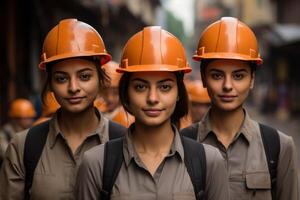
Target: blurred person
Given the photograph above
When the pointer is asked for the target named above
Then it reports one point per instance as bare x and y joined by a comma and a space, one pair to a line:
42, 162
153, 161
113, 108
261, 161
49, 107
199, 102
21, 116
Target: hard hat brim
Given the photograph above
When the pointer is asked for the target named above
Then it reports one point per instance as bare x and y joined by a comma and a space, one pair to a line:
232, 56
104, 58
154, 68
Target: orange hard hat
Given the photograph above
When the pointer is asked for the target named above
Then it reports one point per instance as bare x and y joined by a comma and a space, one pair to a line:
197, 93
110, 69
50, 104
72, 38
228, 38
100, 104
123, 118
22, 108
153, 49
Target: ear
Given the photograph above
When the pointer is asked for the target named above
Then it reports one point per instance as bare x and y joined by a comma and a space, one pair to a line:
252, 80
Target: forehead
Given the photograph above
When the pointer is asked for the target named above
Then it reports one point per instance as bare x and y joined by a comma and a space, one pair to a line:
228, 65
153, 76
73, 65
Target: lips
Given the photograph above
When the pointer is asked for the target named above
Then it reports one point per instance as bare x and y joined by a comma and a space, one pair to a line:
75, 100
227, 98
152, 112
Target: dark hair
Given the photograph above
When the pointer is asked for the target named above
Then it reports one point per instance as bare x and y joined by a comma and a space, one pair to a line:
181, 108
104, 79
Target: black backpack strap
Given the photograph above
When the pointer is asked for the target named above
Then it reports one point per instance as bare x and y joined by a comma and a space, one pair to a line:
115, 130
271, 141
195, 162
34, 145
113, 159
190, 131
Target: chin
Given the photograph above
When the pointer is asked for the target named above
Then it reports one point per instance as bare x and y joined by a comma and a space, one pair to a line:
153, 122
76, 109
230, 106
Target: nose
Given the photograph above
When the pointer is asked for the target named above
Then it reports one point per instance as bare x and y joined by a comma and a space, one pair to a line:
227, 86
152, 96
73, 85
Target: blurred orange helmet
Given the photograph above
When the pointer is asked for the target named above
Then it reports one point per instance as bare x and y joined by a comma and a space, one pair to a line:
228, 38
21, 108
153, 49
50, 104
123, 118
72, 38
197, 93
110, 69
100, 104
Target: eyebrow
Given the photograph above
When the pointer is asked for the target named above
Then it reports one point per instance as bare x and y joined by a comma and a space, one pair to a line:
235, 71
82, 70
161, 81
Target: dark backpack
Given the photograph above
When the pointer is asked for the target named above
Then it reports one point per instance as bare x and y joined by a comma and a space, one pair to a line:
270, 138
194, 158
35, 142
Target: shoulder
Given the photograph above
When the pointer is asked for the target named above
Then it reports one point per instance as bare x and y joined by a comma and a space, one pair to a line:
287, 145
18, 141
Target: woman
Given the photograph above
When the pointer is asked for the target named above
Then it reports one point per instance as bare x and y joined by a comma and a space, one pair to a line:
261, 161
73, 53
153, 154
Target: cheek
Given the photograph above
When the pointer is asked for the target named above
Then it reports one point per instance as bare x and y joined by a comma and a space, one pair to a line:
170, 99
92, 87
135, 100
243, 88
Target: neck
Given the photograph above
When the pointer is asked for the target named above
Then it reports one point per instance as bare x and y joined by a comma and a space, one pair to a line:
79, 124
226, 124
153, 138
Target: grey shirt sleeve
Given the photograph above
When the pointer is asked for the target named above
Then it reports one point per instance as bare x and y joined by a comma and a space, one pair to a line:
287, 172
12, 174
89, 177
217, 187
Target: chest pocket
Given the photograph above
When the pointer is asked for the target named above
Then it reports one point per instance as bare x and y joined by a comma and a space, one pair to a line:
258, 180
259, 185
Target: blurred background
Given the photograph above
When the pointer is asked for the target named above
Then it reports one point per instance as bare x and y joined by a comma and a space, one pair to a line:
274, 101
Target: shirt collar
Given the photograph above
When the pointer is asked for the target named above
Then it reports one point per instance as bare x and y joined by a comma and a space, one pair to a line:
130, 152
247, 129
101, 130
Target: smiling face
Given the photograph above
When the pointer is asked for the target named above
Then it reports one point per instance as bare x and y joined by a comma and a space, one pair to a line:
228, 83
152, 97
75, 84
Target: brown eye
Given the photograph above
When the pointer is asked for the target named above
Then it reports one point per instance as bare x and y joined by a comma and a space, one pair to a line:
85, 77
140, 87
60, 78
217, 76
238, 76
165, 87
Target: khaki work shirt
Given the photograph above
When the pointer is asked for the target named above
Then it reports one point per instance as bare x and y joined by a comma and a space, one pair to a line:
55, 174
247, 166
170, 181
6, 134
